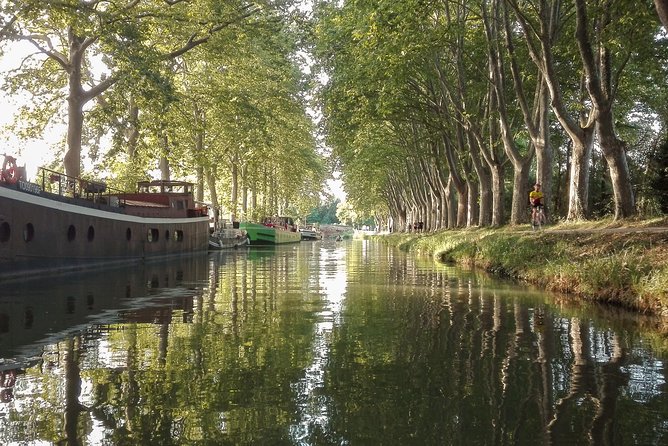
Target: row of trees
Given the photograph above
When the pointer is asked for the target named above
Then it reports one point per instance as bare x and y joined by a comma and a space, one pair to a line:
200, 87
446, 112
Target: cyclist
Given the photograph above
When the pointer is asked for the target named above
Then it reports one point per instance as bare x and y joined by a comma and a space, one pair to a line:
536, 201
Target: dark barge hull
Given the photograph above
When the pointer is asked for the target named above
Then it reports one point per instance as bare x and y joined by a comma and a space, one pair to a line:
37, 312
45, 233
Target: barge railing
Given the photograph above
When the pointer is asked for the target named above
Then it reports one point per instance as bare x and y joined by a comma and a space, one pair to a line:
65, 185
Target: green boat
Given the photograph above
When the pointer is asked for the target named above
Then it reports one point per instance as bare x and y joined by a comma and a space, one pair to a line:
272, 231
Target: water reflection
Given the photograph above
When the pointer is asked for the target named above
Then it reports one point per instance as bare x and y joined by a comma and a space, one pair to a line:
311, 401
319, 343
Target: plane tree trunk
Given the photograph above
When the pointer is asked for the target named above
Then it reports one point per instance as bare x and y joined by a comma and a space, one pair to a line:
599, 85
662, 10
581, 131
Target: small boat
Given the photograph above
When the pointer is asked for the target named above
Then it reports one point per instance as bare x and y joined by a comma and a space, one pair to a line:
310, 233
227, 238
272, 231
60, 223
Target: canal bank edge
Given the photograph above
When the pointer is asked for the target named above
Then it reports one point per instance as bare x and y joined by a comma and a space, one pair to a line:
616, 263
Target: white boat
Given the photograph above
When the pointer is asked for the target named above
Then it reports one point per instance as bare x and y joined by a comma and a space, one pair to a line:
227, 238
310, 233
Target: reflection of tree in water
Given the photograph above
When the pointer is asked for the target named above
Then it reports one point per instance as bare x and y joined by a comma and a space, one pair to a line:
64, 398
460, 364
263, 352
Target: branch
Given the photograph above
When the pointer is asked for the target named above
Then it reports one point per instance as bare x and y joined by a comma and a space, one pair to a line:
49, 51
592, 78
528, 30
99, 88
618, 74
4, 31
193, 41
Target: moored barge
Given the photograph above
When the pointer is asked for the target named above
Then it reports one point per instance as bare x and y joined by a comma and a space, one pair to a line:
273, 231
61, 223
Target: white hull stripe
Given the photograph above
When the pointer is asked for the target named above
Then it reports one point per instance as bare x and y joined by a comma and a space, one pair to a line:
36, 200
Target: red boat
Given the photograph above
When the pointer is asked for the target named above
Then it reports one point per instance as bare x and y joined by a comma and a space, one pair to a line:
60, 223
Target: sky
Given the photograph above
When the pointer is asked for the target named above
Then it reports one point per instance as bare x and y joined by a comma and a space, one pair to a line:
32, 153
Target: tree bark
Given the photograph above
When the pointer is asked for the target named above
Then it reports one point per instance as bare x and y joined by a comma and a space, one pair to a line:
457, 181
199, 148
234, 195
132, 132
539, 42
210, 174
472, 205
433, 196
75, 103
496, 163
163, 162
615, 154
536, 121
578, 192
662, 11
544, 155
599, 84
244, 191
484, 185
449, 199
497, 194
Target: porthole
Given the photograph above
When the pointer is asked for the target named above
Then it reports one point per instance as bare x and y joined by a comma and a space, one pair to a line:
154, 282
152, 235
91, 233
167, 234
29, 232
178, 235
128, 234
5, 232
71, 233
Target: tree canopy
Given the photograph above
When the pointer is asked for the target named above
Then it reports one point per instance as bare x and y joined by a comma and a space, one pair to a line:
441, 112
211, 90
446, 112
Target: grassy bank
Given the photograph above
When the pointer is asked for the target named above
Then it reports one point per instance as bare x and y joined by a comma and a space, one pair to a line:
619, 263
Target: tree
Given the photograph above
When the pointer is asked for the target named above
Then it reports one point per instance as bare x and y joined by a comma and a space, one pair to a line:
538, 33
405, 80
601, 76
325, 213
662, 11
69, 36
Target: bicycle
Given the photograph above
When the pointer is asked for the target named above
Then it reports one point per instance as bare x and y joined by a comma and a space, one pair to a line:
537, 218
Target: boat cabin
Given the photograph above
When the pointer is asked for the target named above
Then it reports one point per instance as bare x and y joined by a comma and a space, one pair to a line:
161, 198
286, 223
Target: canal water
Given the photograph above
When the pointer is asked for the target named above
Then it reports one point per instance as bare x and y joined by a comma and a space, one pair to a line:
320, 343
